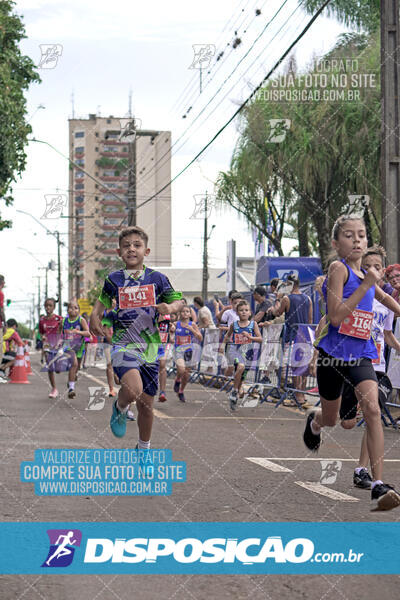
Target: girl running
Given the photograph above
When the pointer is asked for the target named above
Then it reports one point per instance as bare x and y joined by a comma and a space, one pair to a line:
346, 349
242, 333
74, 329
49, 329
185, 333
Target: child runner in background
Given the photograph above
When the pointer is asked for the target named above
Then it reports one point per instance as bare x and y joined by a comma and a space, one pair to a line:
141, 294
74, 329
164, 327
382, 334
49, 329
346, 349
242, 333
11, 340
185, 350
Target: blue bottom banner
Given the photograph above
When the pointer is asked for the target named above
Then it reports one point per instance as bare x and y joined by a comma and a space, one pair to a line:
201, 548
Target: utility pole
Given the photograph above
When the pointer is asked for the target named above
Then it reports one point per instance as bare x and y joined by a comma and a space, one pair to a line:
204, 287
206, 237
390, 145
39, 299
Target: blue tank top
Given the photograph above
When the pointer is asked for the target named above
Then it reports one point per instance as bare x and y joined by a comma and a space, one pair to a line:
73, 340
343, 346
237, 330
297, 313
181, 333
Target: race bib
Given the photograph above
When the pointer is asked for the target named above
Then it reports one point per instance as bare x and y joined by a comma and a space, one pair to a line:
164, 336
183, 339
137, 296
358, 324
239, 338
376, 361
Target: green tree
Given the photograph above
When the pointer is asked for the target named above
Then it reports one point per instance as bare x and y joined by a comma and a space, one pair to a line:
361, 14
17, 72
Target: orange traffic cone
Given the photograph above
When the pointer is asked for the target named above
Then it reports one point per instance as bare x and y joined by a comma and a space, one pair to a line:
18, 372
27, 360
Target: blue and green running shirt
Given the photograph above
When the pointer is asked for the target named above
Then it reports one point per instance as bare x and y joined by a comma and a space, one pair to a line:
135, 330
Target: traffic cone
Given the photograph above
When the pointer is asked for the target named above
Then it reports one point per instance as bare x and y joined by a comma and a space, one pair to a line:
27, 360
18, 372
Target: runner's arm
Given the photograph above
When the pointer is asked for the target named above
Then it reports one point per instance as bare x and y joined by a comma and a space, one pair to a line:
390, 340
337, 309
227, 335
196, 332
95, 325
387, 301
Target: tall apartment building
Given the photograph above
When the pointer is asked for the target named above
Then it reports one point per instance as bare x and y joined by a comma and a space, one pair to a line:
99, 210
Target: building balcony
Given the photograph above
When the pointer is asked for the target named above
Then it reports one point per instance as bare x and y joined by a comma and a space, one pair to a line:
113, 178
114, 154
109, 251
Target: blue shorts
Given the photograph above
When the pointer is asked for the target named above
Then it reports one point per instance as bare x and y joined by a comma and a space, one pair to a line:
123, 362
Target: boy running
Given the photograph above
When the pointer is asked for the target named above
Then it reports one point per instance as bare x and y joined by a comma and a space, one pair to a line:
242, 332
185, 333
74, 329
141, 294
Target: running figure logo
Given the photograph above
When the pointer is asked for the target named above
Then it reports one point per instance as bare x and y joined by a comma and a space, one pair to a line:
278, 130
330, 471
54, 206
50, 54
203, 54
200, 210
97, 398
62, 547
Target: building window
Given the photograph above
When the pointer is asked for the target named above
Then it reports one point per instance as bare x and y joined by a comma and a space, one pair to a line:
79, 199
79, 150
79, 186
80, 162
79, 134
79, 174
110, 149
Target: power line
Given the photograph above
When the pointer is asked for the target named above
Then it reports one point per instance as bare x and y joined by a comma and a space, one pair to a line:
277, 64
222, 85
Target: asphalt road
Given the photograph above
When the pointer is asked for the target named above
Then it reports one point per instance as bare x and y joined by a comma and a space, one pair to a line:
281, 483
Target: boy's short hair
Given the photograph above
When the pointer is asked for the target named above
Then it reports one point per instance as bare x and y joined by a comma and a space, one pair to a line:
198, 301
260, 290
72, 301
378, 250
12, 323
242, 303
231, 293
237, 296
134, 230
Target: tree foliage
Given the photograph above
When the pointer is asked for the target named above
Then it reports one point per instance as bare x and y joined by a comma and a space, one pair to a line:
361, 14
17, 72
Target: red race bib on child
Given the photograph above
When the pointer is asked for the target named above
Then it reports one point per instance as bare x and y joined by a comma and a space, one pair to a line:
239, 338
358, 324
183, 339
137, 296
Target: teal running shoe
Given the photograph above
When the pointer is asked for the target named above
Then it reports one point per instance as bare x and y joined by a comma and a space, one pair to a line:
118, 421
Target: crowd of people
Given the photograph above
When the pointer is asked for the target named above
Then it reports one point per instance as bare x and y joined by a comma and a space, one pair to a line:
142, 321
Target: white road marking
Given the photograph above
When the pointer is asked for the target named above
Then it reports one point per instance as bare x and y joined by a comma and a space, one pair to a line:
267, 464
156, 412
318, 488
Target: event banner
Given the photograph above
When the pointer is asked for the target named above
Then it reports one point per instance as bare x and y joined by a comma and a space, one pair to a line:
200, 548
